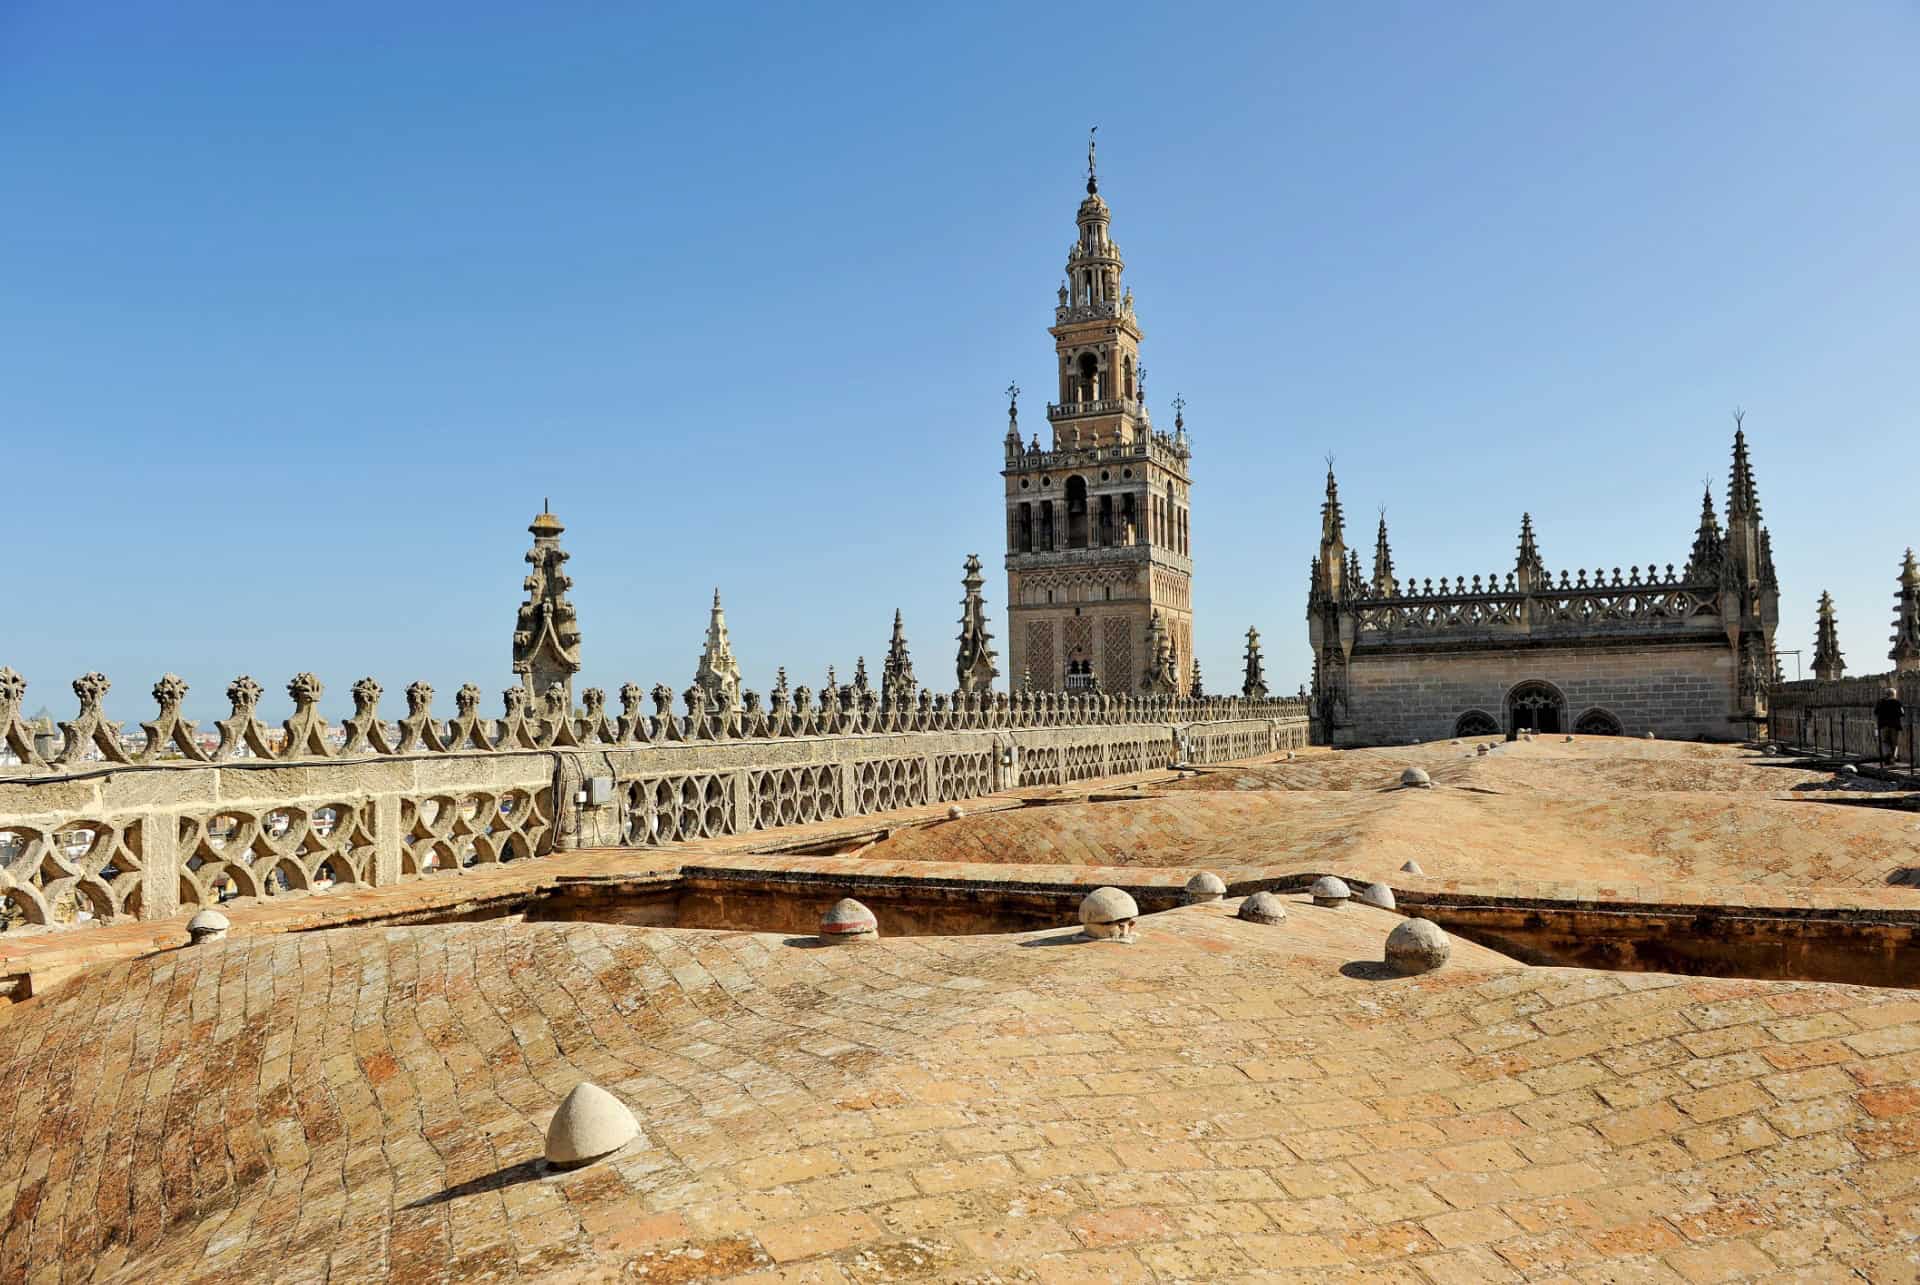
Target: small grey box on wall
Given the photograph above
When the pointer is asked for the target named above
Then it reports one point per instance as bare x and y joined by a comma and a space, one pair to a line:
599, 790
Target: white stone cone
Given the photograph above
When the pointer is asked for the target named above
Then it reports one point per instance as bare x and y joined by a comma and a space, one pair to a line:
590, 1123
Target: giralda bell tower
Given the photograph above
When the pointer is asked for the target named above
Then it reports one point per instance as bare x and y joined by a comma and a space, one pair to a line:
1099, 572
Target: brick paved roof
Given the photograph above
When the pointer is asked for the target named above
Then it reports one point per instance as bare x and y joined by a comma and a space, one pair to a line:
1217, 1101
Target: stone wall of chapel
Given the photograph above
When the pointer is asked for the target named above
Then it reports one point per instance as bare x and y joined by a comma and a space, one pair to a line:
1672, 691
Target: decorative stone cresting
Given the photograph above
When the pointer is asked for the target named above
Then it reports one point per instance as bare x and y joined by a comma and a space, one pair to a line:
1109, 914
1329, 891
848, 920
1377, 894
590, 1123
1203, 887
206, 927
1263, 908
182, 834
1415, 778
1417, 946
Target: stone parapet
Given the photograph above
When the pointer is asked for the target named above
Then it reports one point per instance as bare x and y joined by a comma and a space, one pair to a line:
93, 838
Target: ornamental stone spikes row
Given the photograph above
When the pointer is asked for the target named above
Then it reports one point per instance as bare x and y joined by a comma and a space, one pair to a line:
546, 634
548, 724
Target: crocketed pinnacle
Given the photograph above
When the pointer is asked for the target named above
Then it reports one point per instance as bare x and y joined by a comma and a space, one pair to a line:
1333, 523
1384, 584
1743, 497
718, 673
1906, 621
1828, 663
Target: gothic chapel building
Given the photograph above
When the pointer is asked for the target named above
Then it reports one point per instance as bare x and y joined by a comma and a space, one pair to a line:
1099, 570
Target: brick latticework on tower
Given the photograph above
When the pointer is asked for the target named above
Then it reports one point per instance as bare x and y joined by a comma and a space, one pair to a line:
1678, 654
1097, 519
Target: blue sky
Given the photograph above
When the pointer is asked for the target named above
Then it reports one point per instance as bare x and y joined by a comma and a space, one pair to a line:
305, 308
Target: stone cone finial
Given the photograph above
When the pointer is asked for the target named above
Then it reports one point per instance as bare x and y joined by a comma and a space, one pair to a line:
1109, 914
848, 920
1205, 886
1263, 908
209, 925
1377, 894
1417, 946
1416, 778
590, 1123
1330, 891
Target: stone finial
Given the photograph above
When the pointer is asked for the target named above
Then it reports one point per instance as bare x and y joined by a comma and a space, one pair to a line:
1377, 894
364, 728
848, 921
90, 727
897, 682
306, 731
974, 662
1109, 914
589, 1124
1905, 653
1411, 868
1263, 908
168, 728
14, 732
207, 927
955, 812
1253, 685
1329, 891
1417, 946
718, 672
1163, 666
1203, 887
546, 632
1415, 778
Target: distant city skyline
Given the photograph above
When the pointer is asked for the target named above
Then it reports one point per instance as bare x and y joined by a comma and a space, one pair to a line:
301, 326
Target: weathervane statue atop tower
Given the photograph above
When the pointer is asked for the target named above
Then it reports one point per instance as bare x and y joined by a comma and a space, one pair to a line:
1093, 181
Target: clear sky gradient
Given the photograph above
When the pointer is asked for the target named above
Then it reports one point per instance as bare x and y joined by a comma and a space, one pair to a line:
303, 309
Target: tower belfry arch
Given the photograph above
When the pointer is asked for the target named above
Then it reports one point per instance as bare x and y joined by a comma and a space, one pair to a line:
1097, 526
